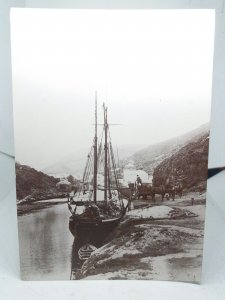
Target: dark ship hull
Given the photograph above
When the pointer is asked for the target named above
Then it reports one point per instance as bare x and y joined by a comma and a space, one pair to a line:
93, 231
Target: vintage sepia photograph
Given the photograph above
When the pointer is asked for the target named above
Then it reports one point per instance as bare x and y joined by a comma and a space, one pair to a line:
111, 125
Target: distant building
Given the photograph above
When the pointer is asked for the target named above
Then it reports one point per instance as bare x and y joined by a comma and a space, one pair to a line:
64, 185
130, 175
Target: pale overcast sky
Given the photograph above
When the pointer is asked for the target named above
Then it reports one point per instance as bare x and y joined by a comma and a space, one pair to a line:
153, 68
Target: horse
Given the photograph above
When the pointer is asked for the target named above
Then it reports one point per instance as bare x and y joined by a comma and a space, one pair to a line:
146, 189
160, 190
171, 191
143, 190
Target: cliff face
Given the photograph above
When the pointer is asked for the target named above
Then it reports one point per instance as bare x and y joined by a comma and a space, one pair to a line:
188, 165
149, 158
34, 183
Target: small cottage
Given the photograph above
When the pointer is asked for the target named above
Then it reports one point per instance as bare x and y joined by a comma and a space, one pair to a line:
64, 185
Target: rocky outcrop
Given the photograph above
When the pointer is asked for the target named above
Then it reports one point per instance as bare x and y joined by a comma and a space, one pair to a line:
34, 185
188, 165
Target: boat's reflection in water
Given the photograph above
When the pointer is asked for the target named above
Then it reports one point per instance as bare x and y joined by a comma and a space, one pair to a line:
81, 251
89, 240
76, 262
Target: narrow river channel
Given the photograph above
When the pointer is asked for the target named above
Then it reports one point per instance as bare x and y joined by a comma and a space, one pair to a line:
46, 244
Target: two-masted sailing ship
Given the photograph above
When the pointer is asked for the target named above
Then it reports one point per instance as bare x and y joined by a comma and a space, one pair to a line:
97, 207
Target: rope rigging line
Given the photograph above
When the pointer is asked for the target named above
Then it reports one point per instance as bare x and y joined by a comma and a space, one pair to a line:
114, 165
87, 169
115, 172
100, 151
109, 175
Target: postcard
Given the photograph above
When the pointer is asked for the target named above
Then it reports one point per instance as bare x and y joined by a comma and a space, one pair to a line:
111, 122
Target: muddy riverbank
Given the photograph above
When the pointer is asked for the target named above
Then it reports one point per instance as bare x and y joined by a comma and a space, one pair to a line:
165, 248
30, 207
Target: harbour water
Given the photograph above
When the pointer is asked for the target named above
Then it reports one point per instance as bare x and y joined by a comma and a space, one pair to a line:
46, 244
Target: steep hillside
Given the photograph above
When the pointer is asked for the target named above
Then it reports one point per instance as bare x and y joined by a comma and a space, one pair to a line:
148, 158
34, 183
189, 165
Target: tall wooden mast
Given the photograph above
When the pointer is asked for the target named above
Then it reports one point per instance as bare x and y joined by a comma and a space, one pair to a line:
95, 153
106, 153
